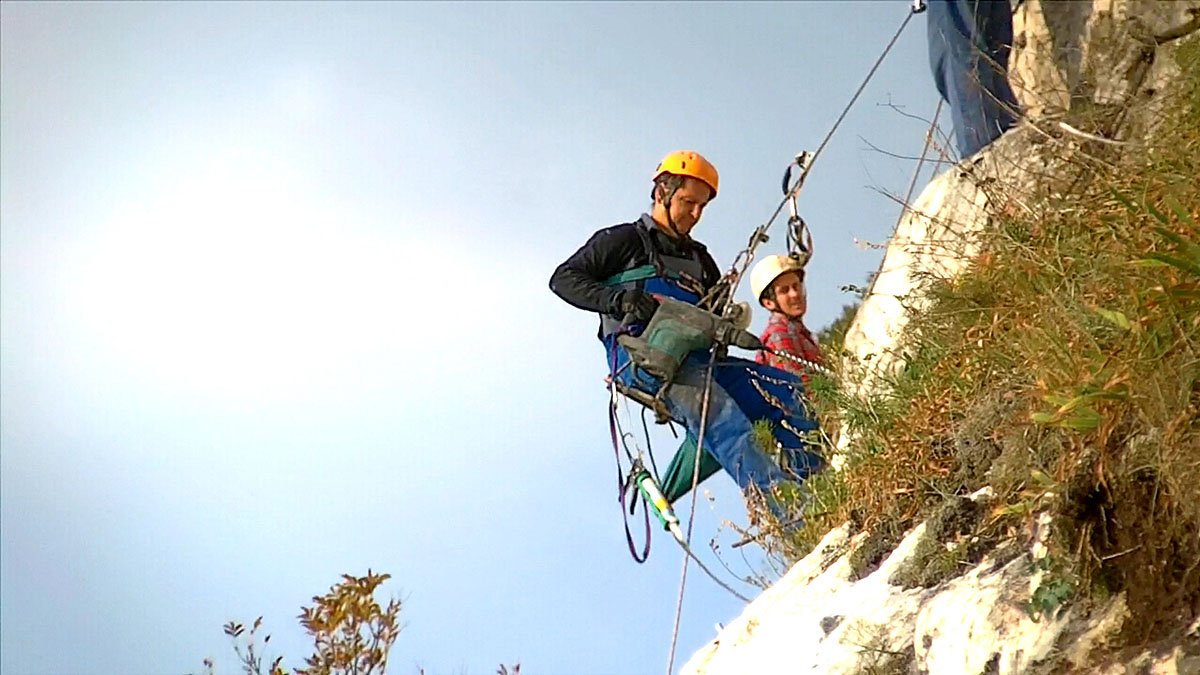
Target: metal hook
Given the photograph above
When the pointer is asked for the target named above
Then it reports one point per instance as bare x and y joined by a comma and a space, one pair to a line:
799, 238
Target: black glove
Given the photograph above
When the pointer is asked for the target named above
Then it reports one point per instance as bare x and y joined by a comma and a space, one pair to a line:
637, 305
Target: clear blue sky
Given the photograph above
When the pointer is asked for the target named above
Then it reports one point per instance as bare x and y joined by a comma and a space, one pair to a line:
275, 307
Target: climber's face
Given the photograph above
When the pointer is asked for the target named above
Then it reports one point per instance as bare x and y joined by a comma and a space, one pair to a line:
790, 297
685, 206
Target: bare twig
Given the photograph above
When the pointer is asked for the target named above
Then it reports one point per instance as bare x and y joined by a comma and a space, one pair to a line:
881, 151
1091, 137
900, 110
1118, 555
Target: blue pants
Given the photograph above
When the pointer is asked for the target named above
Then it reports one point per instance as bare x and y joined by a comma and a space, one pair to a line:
969, 42
735, 402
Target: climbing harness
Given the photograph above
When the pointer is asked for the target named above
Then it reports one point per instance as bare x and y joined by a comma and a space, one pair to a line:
676, 330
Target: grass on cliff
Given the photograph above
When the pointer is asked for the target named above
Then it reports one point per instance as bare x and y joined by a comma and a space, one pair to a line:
1062, 371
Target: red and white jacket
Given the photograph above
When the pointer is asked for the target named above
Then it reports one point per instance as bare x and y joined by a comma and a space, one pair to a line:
789, 335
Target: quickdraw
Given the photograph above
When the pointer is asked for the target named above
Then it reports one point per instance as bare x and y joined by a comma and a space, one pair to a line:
799, 237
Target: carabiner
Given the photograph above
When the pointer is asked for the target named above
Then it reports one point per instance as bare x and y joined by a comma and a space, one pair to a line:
799, 238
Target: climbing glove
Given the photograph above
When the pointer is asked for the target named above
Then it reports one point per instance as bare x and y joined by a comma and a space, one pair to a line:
637, 305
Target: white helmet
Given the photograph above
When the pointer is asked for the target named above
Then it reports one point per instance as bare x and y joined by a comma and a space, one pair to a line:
769, 269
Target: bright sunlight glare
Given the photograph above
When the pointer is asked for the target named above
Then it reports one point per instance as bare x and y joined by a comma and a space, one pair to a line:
234, 282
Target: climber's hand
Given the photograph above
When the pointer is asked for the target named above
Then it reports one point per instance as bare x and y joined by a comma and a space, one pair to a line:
637, 305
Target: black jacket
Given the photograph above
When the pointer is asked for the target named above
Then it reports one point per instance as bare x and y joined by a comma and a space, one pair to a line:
580, 279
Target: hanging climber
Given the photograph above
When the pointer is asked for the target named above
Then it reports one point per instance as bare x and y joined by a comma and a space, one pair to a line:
619, 272
777, 281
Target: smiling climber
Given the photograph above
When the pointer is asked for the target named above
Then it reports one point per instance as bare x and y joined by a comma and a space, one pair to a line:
777, 281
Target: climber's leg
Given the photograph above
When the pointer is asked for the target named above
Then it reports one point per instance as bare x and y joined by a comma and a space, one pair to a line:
766, 393
969, 42
729, 433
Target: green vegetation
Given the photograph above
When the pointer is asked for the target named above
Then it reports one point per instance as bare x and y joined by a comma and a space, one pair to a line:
1062, 371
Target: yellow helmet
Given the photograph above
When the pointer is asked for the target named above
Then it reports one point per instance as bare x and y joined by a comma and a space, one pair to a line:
689, 163
769, 269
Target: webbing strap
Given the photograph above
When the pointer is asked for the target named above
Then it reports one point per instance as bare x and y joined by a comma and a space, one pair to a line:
636, 274
622, 484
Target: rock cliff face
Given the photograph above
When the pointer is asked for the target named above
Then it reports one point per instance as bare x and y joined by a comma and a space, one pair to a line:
1087, 73
1109, 58
819, 619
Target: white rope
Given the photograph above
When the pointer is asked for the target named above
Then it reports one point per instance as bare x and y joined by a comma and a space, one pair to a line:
692, 511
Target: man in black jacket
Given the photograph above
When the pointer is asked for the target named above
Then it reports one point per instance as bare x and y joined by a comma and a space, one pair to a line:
618, 273
662, 236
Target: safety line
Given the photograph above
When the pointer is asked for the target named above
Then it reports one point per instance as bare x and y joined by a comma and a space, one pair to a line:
712, 361
906, 206
842, 116
704, 568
